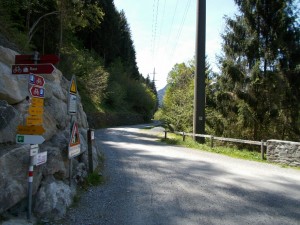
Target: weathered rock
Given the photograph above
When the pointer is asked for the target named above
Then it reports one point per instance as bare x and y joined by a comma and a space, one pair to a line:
13, 176
13, 88
80, 173
7, 55
10, 118
53, 198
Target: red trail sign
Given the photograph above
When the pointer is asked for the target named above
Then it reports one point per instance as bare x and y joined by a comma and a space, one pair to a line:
32, 68
36, 80
29, 59
38, 92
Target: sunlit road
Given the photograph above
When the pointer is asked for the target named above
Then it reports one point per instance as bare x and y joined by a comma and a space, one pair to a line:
148, 182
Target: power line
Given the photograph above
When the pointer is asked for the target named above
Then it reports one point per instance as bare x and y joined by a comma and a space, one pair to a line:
180, 28
154, 26
162, 21
152, 29
157, 12
172, 22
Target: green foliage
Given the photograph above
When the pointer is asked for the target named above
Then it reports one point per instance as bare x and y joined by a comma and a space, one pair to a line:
178, 101
255, 96
94, 179
177, 107
94, 43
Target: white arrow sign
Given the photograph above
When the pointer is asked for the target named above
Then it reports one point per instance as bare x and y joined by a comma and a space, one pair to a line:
29, 139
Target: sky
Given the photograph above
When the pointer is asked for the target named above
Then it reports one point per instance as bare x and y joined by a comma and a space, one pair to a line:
164, 32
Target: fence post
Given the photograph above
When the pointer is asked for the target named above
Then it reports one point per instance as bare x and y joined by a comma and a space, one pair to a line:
165, 134
211, 141
90, 137
183, 136
262, 150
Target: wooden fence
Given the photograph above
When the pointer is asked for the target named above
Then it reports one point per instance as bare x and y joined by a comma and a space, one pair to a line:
212, 138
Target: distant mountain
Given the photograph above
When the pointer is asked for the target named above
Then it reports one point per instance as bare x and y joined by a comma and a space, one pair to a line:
161, 94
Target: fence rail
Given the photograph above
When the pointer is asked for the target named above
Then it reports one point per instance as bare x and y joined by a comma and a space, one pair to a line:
262, 143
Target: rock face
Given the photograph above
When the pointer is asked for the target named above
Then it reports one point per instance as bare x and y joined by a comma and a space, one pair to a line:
50, 181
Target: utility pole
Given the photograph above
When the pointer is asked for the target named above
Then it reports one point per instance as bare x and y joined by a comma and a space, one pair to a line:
153, 75
199, 98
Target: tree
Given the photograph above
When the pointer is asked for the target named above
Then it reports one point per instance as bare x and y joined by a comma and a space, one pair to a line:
260, 58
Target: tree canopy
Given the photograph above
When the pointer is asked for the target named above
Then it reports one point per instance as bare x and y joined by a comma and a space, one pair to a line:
94, 42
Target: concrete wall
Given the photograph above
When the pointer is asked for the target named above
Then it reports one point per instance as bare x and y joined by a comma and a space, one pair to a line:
285, 152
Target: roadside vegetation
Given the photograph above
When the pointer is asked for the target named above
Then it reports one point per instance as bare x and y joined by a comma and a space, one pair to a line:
256, 94
93, 40
230, 150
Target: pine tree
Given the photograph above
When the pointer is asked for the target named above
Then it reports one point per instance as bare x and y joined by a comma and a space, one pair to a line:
257, 95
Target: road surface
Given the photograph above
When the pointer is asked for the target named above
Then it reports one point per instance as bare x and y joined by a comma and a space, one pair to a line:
151, 183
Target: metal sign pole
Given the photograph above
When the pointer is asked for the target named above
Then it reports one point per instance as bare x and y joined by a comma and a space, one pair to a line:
30, 180
70, 159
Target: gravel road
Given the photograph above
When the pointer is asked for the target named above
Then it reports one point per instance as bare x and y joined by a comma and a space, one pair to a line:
151, 183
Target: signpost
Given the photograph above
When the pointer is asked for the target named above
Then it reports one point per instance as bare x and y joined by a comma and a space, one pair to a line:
72, 109
36, 130
29, 59
37, 92
34, 120
32, 131
35, 111
40, 158
37, 102
29, 139
34, 150
32, 68
73, 86
74, 144
36, 80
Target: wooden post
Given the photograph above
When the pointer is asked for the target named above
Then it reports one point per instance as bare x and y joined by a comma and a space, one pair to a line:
166, 134
262, 150
211, 141
90, 137
183, 136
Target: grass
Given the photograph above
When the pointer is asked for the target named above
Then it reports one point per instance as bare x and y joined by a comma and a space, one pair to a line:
229, 151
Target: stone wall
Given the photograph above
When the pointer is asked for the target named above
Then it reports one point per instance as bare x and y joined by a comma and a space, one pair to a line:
284, 152
51, 179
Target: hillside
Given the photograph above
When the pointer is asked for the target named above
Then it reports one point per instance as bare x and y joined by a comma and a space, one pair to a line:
161, 94
93, 40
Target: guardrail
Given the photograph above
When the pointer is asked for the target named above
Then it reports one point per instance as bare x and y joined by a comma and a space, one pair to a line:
262, 143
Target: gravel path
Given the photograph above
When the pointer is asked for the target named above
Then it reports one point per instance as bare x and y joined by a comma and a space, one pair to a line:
150, 183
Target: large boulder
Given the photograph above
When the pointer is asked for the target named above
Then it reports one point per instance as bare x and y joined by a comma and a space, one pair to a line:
10, 118
14, 175
53, 199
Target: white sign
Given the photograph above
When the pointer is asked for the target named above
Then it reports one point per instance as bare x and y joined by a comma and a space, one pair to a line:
74, 151
92, 135
29, 139
72, 109
40, 158
34, 150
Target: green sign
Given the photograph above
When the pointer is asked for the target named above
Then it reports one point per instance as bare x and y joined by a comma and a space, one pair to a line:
20, 139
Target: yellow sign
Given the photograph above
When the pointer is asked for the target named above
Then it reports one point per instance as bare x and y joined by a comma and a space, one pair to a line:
34, 120
73, 87
30, 130
37, 102
35, 111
